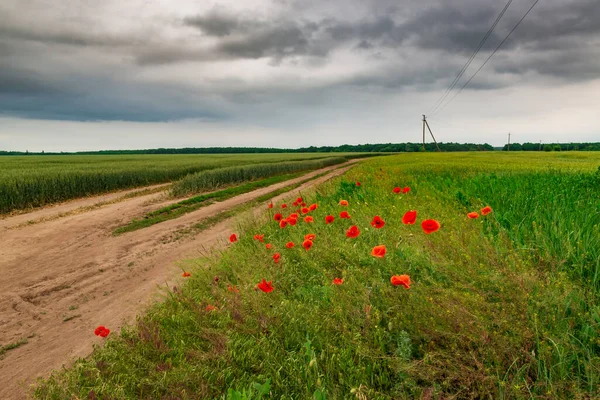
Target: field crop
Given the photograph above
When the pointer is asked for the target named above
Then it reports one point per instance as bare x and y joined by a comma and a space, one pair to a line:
503, 306
32, 181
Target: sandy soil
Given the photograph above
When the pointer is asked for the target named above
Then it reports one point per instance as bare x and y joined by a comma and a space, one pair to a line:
66, 274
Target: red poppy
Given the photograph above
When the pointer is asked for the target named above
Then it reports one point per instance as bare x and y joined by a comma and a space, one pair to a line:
303, 204
292, 221
265, 286
268, 246
299, 200
473, 215
294, 204
378, 251
283, 223
401, 280
352, 232
307, 244
308, 219
216, 279
410, 217
405, 189
277, 217
260, 238
186, 274
233, 238
289, 245
101, 331
233, 289
344, 214
329, 219
284, 205
313, 207
338, 281
310, 236
430, 226
377, 222
397, 190
357, 183
210, 308
343, 202
270, 205
294, 215
486, 210
305, 210
276, 257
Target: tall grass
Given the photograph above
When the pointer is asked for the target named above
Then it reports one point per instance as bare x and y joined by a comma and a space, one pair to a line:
216, 178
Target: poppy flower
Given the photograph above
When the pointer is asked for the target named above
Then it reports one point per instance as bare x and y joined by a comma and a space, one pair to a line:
276, 257
377, 222
270, 205
307, 244
401, 280
277, 217
357, 183
294, 215
405, 189
101, 331
303, 204
397, 190
343, 202
430, 226
299, 200
289, 245
308, 219
283, 223
260, 238
186, 274
329, 219
352, 232
305, 210
344, 214
210, 308
294, 204
338, 281
233, 289
292, 221
265, 286
216, 279
268, 246
310, 236
410, 217
473, 215
233, 238
284, 205
313, 207
486, 210
378, 251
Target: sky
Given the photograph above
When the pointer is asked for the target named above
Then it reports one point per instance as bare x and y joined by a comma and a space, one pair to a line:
137, 74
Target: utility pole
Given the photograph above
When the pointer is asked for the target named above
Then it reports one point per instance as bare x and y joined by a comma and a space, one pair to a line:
508, 141
431, 133
423, 132
540, 149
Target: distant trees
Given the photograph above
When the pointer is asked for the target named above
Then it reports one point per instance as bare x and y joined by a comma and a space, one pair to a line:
527, 146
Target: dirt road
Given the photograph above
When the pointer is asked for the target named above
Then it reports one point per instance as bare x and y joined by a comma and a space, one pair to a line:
66, 274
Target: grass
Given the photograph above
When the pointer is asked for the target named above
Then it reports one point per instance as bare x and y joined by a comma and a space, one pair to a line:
33, 181
12, 346
494, 311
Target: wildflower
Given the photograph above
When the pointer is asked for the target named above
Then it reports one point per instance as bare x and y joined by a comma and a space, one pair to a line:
101, 331
299, 200
377, 222
210, 308
344, 214
305, 210
291, 220
307, 244
308, 219
233, 289
352, 232
216, 279
276, 257
265, 286
294, 215
289, 245
329, 219
270, 205
283, 223
410, 217
284, 205
310, 236
401, 280
343, 202
473, 215
357, 183
405, 189
268, 246
338, 281
260, 238
233, 238
430, 226
303, 204
397, 190
313, 207
486, 210
277, 217
186, 274
378, 251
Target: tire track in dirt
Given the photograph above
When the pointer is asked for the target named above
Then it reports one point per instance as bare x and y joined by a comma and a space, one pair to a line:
61, 278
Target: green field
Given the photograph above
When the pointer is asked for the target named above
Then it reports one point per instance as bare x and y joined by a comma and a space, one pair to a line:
504, 306
33, 181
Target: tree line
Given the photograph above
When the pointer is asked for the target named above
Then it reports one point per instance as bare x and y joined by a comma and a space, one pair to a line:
527, 146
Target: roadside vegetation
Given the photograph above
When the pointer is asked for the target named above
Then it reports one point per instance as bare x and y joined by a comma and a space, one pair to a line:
503, 304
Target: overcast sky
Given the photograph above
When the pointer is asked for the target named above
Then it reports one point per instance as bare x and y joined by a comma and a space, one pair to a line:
110, 74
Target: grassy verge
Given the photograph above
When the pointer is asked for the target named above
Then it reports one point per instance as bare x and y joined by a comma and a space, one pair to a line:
483, 317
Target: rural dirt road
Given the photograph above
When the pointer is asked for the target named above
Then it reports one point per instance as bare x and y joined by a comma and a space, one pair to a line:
63, 276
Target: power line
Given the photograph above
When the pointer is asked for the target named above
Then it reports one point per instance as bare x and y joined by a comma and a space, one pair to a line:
468, 63
488, 59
